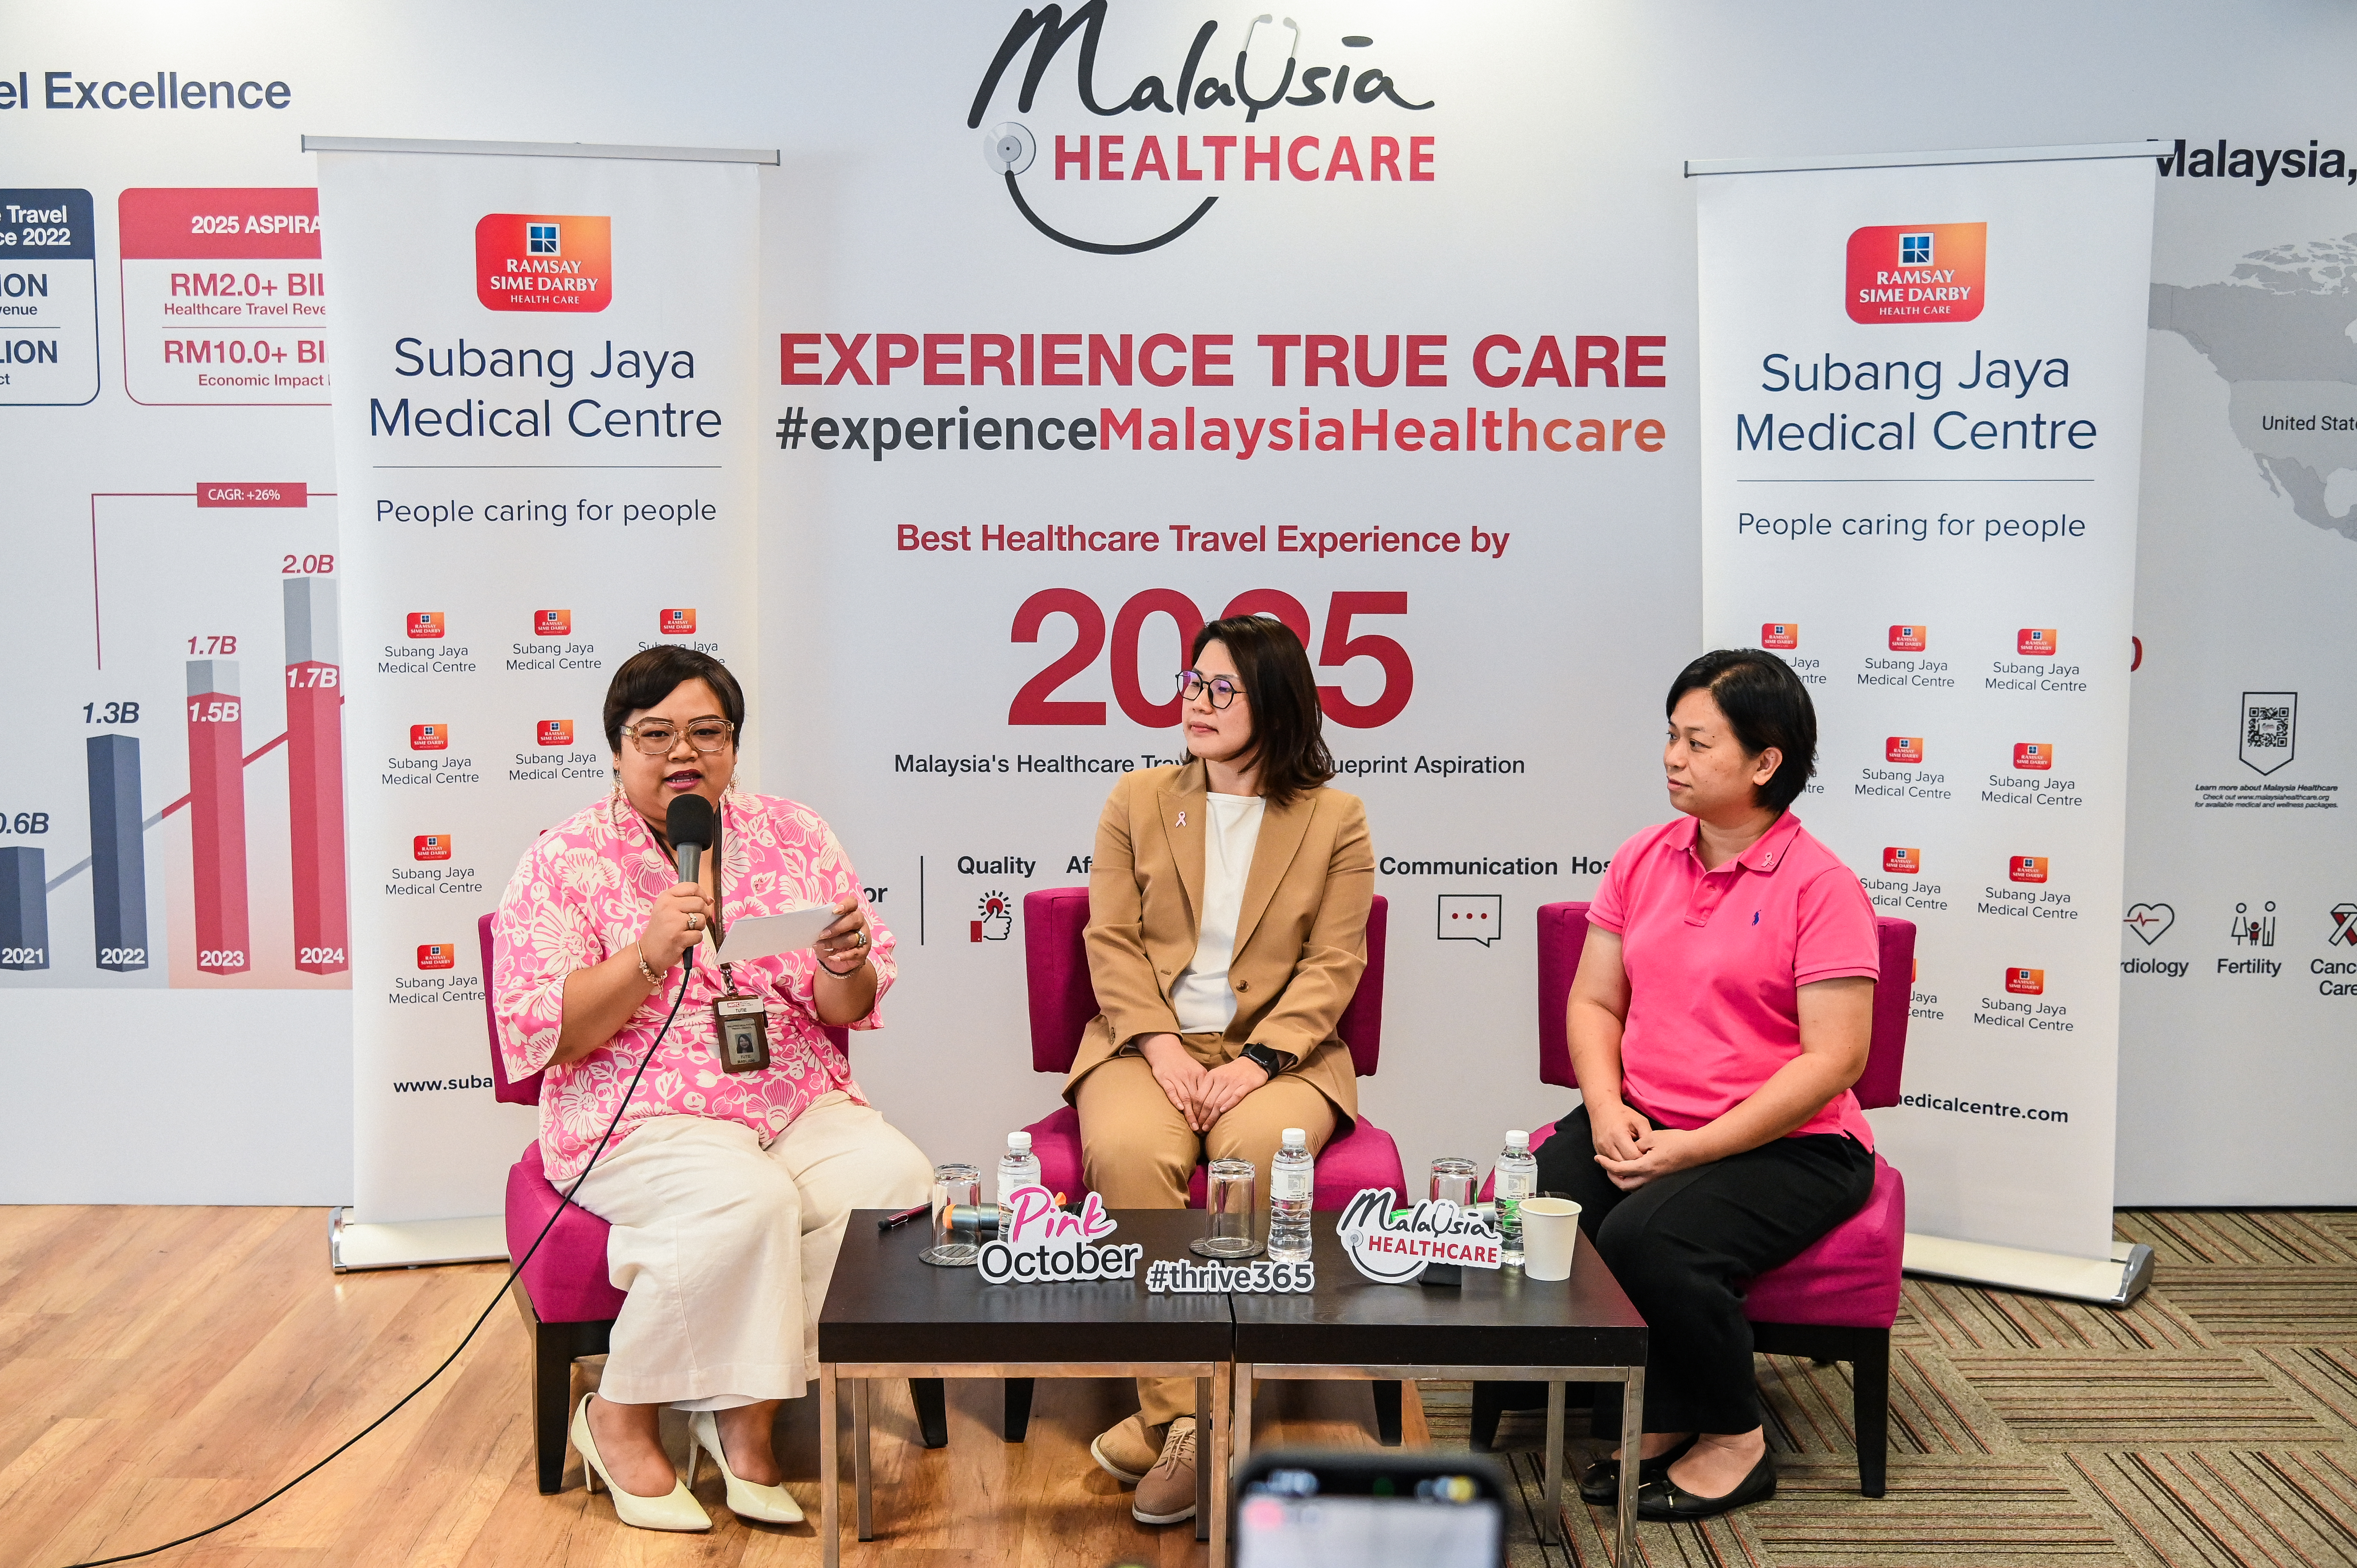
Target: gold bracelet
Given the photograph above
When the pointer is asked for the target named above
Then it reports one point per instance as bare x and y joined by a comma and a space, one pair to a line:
645, 968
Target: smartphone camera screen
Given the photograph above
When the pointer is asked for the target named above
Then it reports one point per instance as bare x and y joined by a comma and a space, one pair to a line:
1297, 1518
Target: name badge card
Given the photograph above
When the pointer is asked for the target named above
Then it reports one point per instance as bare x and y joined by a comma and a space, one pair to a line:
1047, 1245
1395, 1249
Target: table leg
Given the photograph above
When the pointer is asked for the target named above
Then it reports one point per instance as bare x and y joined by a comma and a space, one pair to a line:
830, 1461
1240, 1435
1204, 1486
1224, 1460
861, 1468
1632, 1438
1551, 1523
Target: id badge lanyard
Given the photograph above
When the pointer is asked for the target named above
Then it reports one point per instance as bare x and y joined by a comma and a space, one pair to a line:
740, 1023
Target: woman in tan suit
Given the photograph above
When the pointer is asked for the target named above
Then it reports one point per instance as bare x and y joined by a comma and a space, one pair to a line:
1228, 906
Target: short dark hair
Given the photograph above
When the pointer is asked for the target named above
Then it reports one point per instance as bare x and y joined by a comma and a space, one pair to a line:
1289, 727
1765, 704
651, 674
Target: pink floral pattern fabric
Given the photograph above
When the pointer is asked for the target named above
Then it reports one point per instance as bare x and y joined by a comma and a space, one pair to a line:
584, 892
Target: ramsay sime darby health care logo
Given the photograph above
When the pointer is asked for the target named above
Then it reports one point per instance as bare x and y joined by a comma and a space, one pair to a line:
1911, 274
543, 261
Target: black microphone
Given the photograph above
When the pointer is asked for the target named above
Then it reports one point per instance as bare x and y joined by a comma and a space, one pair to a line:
689, 828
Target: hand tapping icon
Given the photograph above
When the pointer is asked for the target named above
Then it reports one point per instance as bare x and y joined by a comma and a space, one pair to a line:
996, 922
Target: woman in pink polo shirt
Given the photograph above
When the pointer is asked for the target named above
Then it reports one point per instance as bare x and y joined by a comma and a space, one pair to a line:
1721, 1012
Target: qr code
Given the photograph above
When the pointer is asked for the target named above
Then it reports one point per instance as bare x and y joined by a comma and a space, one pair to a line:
2269, 728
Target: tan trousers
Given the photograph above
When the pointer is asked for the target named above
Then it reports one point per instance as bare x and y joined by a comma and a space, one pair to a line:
1137, 1152
724, 1247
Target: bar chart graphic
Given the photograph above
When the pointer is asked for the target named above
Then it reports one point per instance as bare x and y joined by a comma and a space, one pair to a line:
24, 909
217, 815
315, 774
118, 854
212, 794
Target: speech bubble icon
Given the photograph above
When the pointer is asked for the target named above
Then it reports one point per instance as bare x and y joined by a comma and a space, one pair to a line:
1472, 917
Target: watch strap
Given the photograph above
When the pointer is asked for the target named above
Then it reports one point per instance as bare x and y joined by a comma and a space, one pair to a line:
1268, 1059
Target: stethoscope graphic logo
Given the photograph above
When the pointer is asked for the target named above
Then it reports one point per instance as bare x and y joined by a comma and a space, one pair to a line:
1009, 148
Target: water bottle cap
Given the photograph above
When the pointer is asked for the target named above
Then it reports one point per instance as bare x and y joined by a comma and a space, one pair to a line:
1019, 1143
1296, 1138
1518, 1140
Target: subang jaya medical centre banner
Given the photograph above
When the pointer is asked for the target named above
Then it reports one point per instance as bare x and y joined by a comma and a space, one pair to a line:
1921, 415
544, 430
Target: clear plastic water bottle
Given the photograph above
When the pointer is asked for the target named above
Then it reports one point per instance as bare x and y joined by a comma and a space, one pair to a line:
1517, 1177
1292, 1181
1017, 1167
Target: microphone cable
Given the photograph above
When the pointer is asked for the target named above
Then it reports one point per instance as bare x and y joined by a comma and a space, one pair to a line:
686, 973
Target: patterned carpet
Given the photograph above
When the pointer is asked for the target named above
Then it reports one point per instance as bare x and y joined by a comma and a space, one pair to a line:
2212, 1424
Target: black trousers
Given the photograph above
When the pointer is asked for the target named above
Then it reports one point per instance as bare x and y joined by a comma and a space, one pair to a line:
1682, 1246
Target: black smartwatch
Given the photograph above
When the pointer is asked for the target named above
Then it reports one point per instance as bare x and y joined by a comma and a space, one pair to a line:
1269, 1061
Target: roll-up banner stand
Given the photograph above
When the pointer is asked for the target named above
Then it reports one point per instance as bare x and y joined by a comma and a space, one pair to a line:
544, 418
1922, 387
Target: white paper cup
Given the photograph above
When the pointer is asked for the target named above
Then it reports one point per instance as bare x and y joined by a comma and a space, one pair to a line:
1550, 1233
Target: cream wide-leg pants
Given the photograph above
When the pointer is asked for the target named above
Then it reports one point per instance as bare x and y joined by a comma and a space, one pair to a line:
726, 1248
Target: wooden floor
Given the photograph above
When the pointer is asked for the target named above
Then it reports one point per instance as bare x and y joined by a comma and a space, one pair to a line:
163, 1367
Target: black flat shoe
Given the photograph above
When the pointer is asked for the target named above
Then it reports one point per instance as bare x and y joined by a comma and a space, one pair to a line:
1601, 1485
1665, 1500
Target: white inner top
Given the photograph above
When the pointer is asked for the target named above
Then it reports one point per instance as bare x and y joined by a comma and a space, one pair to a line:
1201, 996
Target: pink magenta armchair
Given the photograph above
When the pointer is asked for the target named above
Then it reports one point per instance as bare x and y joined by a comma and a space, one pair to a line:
564, 1293
1837, 1300
1064, 1001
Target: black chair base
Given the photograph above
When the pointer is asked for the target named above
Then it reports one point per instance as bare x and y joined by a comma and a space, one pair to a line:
1492, 1401
1867, 1351
555, 1348
932, 1398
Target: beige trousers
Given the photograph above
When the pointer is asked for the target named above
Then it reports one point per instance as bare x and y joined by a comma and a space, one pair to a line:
1137, 1152
724, 1247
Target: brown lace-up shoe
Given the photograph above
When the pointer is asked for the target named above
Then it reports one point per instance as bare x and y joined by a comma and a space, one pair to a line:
1167, 1493
1129, 1450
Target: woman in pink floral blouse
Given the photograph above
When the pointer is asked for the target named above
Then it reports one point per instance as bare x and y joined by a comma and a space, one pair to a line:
727, 1192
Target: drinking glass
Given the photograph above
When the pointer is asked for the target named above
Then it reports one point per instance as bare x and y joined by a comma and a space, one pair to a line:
1230, 1197
1455, 1180
955, 1245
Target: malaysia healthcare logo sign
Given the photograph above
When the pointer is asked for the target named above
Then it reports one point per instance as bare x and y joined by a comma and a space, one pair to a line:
543, 261
1910, 273
1364, 119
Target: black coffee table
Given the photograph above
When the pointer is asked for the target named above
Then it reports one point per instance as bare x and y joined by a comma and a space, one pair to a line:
889, 1315
1497, 1327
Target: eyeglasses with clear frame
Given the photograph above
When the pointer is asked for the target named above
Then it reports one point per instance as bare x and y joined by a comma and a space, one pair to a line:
1191, 683
655, 738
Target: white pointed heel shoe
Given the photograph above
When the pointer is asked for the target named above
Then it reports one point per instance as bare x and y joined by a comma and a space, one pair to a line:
677, 1509
746, 1499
